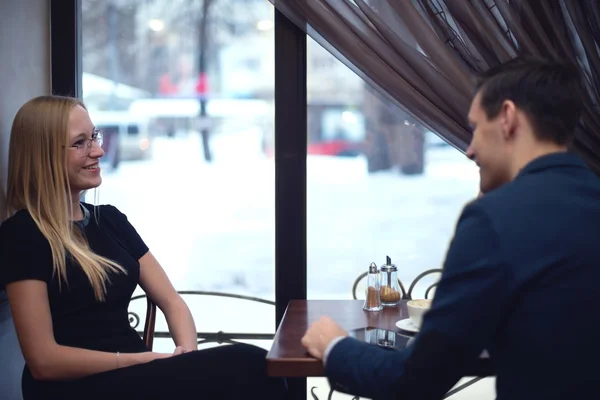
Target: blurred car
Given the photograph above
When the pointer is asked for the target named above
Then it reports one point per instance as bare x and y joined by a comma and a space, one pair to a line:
126, 137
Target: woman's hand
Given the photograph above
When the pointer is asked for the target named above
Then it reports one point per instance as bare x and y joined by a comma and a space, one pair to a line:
181, 350
151, 356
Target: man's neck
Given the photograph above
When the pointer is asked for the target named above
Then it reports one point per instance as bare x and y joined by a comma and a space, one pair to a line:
534, 152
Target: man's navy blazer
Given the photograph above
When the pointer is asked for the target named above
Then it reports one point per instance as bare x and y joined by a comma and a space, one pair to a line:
521, 279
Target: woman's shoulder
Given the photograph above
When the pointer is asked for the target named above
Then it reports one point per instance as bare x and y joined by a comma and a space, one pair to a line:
103, 210
25, 252
98, 207
107, 213
117, 224
19, 224
21, 229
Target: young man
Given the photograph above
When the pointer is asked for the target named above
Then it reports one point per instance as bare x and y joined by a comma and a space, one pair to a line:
522, 275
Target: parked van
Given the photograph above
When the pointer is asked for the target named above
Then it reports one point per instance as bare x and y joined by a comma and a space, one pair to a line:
126, 137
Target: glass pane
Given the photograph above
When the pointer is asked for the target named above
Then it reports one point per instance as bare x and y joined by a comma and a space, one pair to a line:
184, 93
379, 184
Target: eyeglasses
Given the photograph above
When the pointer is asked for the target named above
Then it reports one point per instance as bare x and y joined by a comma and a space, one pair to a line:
83, 146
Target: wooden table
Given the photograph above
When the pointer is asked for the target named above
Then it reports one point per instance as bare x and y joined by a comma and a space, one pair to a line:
287, 357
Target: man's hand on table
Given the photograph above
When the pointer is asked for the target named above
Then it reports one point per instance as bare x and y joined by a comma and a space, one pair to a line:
320, 334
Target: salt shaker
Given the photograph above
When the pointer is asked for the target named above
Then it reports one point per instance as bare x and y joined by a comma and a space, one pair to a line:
389, 288
373, 300
386, 338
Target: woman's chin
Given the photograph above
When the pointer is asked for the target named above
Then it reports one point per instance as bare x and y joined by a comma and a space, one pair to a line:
88, 185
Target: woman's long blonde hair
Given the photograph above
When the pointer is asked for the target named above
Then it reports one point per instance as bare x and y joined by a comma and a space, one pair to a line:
38, 182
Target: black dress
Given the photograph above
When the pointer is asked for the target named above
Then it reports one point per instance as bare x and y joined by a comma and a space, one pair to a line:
226, 372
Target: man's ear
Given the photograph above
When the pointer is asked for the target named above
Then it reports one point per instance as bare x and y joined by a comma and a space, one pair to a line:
508, 115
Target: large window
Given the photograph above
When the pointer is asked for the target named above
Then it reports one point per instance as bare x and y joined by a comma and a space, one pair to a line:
184, 93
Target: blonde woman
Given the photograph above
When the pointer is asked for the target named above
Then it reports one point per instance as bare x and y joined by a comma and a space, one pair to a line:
70, 268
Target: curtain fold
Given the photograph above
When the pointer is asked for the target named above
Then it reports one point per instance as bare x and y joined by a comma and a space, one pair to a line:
424, 55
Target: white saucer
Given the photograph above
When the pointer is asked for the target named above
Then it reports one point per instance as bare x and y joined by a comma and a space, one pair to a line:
407, 325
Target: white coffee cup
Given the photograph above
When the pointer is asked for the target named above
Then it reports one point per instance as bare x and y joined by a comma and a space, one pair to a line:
416, 310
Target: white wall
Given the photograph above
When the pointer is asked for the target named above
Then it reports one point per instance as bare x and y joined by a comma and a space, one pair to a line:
24, 73
25, 66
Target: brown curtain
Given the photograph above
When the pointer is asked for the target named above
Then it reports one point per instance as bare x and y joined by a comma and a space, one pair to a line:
423, 55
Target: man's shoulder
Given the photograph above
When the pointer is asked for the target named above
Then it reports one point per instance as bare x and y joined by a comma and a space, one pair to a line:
513, 204
533, 190
530, 205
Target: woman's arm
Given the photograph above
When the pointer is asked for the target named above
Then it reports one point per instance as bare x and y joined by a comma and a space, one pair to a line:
157, 286
46, 359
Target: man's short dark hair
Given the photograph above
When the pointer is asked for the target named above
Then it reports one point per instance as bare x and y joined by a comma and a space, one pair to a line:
549, 92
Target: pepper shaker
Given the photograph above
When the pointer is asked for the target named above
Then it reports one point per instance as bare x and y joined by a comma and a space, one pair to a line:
372, 300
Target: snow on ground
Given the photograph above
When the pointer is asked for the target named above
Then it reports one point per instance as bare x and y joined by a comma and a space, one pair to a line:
212, 226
